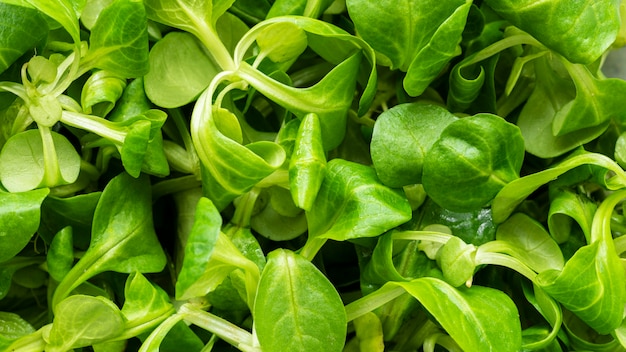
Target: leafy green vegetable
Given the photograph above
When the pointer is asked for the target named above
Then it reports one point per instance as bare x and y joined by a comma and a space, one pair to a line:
312, 175
296, 307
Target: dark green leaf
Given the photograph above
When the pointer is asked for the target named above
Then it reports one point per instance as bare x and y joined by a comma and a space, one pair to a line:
472, 160
19, 219
60, 258
401, 138
22, 29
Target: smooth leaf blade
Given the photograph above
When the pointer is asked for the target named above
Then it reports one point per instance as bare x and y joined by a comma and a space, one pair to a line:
119, 39
417, 37
352, 203
468, 314
581, 31
123, 235
474, 158
22, 28
179, 70
19, 220
297, 308
415, 125
83, 321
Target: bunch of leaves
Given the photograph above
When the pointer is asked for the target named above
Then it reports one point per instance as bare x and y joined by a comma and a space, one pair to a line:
311, 175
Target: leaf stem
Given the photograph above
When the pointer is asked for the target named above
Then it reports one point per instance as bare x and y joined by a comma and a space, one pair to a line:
226, 330
383, 295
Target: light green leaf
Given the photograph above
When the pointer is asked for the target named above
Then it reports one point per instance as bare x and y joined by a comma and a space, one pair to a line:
83, 321
477, 318
198, 17
527, 240
123, 236
592, 284
119, 40
101, 91
281, 42
19, 219
210, 256
456, 260
352, 203
330, 98
145, 305
12, 327
472, 160
297, 308
581, 31
230, 169
179, 70
307, 165
417, 37
567, 207
401, 138
62, 11
22, 161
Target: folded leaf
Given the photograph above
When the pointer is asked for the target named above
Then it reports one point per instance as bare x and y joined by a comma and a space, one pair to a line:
352, 203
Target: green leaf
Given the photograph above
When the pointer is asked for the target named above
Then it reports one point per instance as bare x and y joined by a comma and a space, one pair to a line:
83, 321
281, 42
197, 17
456, 260
552, 94
296, 307
145, 305
477, 318
580, 31
76, 211
209, 255
471, 161
526, 239
10, 267
596, 100
123, 236
417, 37
179, 70
62, 11
60, 258
352, 203
330, 98
516, 191
22, 161
101, 92
19, 216
119, 39
230, 169
307, 165
567, 207
12, 327
416, 125
592, 284
22, 29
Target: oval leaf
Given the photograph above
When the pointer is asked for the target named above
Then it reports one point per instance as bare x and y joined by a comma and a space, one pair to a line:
472, 160
297, 308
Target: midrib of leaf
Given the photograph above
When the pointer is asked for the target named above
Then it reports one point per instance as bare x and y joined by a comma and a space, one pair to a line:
292, 300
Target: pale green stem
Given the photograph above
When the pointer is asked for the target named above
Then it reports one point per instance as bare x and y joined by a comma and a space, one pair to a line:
374, 300
50, 159
226, 330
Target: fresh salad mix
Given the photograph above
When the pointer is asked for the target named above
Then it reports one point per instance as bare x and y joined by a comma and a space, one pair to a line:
312, 175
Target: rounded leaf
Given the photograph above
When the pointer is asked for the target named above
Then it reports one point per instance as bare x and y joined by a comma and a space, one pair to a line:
472, 160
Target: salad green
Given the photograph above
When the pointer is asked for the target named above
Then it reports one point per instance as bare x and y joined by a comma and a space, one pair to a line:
312, 175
